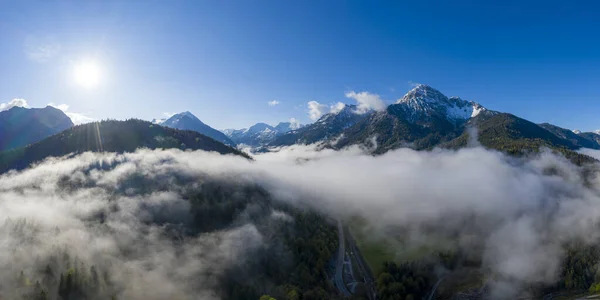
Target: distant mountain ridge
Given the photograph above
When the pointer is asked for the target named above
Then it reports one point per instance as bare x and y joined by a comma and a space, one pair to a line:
187, 121
260, 134
21, 126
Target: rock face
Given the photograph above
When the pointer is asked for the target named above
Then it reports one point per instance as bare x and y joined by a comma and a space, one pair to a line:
21, 126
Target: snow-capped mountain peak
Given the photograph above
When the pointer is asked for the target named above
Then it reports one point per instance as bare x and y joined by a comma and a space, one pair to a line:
425, 100
261, 134
259, 127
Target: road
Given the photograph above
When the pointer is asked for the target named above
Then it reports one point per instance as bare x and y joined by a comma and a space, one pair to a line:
435, 288
339, 268
366, 273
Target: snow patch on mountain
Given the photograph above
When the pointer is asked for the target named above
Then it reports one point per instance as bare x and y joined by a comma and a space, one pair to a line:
425, 100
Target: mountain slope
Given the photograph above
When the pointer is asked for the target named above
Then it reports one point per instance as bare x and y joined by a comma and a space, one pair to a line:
516, 136
592, 136
187, 121
577, 140
512, 134
328, 126
110, 136
22, 126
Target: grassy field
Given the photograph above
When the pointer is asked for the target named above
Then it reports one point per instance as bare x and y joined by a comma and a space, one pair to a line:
374, 251
377, 250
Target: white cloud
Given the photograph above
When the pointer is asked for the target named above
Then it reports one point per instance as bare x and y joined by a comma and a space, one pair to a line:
316, 110
366, 101
294, 124
41, 49
76, 118
337, 107
273, 102
13, 103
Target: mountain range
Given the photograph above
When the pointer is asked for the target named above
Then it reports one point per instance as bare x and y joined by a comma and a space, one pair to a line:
423, 119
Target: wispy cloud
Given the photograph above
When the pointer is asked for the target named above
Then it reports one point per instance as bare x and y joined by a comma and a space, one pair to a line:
41, 49
12, 103
76, 118
273, 102
412, 84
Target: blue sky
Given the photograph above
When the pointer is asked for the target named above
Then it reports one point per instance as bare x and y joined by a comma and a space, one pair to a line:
225, 60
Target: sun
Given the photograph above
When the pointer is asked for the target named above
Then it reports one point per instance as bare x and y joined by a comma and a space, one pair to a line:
87, 73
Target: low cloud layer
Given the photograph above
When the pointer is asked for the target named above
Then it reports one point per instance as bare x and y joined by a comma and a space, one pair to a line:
521, 211
273, 103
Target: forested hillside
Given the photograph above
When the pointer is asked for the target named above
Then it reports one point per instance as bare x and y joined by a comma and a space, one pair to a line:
202, 235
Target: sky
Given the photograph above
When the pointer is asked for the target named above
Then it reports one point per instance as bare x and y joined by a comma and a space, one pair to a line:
236, 63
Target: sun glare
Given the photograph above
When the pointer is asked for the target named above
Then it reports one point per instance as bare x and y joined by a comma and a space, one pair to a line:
87, 74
